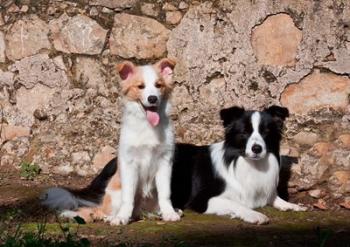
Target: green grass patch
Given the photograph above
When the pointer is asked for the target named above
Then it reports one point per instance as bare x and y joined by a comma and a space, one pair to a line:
40, 235
29, 170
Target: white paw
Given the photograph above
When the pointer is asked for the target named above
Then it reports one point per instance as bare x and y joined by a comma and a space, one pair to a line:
292, 207
117, 220
255, 218
179, 212
171, 216
299, 207
68, 214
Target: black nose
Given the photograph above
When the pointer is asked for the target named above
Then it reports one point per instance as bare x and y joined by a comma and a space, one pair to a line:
152, 99
256, 149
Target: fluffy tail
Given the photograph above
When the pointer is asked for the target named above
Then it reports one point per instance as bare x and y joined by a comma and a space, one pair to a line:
65, 199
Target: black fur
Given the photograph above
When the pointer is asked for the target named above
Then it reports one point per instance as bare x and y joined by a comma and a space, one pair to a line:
194, 180
96, 189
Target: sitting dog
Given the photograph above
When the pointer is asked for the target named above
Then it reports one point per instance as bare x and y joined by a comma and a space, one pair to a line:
141, 178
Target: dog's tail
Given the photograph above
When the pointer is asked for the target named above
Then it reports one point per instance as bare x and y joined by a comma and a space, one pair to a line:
66, 199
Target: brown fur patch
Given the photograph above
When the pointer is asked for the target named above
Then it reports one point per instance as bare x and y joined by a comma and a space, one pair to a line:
166, 82
114, 183
106, 204
165, 88
88, 214
130, 86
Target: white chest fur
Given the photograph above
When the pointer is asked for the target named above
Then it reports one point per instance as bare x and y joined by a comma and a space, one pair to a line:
142, 147
251, 182
259, 180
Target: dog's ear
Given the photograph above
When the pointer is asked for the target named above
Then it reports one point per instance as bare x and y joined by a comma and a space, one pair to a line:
229, 114
166, 67
278, 112
125, 69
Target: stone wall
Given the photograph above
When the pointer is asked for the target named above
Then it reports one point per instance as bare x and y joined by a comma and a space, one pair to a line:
60, 101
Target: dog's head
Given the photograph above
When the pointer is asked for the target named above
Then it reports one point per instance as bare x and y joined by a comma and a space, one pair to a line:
148, 85
252, 134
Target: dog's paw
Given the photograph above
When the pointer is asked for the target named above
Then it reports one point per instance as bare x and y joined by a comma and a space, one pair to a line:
292, 207
299, 207
171, 216
179, 212
68, 214
255, 218
117, 220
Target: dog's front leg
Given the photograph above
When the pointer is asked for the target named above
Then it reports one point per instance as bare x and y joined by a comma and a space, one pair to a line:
129, 180
163, 180
223, 206
283, 205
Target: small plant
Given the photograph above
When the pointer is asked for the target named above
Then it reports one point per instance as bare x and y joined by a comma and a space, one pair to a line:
29, 170
39, 238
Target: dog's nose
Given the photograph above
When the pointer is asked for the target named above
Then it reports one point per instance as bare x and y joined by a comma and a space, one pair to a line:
256, 148
152, 99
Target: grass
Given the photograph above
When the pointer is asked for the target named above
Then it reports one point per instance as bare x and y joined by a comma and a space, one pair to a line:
39, 237
29, 171
288, 228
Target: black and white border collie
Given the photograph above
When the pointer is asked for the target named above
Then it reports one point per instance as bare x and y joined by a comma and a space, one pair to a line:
237, 175
231, 177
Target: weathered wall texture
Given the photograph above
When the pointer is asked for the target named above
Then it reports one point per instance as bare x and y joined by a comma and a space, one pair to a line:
59, 96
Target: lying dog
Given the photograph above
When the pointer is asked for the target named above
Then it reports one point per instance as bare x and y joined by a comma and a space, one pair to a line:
231, 177
237, 175
146, 148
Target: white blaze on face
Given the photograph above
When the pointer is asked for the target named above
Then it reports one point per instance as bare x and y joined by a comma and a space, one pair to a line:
255, 139
150, 78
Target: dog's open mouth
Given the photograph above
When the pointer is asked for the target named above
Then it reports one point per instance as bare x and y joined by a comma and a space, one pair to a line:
152, 115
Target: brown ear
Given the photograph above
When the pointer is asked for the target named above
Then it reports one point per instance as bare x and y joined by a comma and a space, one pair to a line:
125, 69
166, 67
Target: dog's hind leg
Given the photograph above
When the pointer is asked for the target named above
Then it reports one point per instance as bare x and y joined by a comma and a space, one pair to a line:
123, 197
86, 213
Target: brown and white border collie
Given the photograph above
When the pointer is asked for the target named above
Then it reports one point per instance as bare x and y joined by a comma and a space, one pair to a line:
141, 178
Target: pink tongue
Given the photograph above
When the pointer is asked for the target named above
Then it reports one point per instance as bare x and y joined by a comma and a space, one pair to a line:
152, 117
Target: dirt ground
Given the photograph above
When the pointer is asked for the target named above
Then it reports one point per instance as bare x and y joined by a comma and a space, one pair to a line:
20, 198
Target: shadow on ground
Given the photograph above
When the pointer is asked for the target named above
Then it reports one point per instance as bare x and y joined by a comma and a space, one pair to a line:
285, 228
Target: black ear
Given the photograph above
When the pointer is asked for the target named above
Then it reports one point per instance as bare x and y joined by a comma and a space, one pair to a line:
229, 114
278, 112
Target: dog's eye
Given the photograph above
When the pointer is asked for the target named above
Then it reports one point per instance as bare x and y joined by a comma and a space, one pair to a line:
141, 86
158, 85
